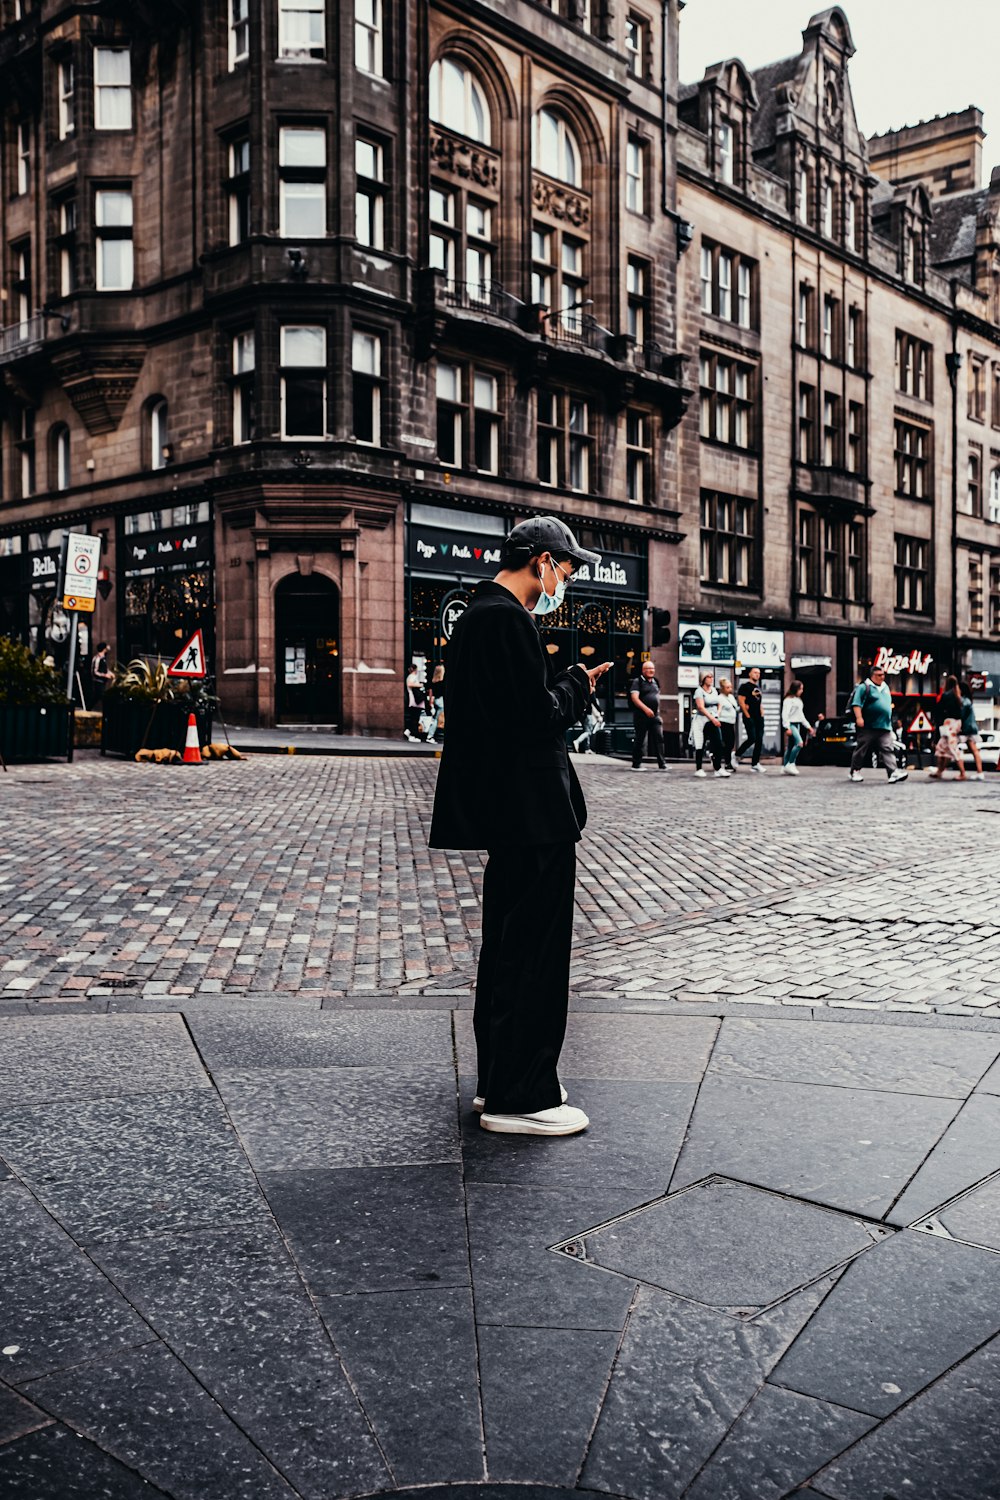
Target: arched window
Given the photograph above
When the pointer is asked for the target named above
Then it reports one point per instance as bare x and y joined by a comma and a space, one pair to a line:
458, 100
555, 150
159, 443
59, 475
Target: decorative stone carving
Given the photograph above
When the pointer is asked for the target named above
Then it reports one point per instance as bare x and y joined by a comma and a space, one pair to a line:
99, 379
464, 159
560, 202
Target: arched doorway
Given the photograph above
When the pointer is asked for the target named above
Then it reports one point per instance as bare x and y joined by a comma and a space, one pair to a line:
307, 650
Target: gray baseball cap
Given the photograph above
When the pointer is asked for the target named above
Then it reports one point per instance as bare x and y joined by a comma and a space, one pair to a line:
545, 534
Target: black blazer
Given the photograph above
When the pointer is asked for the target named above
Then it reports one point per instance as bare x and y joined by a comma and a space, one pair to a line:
505, 776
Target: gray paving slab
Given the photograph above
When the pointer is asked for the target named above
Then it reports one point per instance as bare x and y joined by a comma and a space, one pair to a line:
777, 1442
57, 1464
232, 1307
668, 1049
412, 1359
116, 1168
898, 1318
727, 1245
17, 1416
148, 1412
243, 1039
542, 1390
57, 1309
83, 1057
635, 1135
343, 1117
847, 1148
944, 1446
967, 1151
683, 1375
990, 1084
915, 1062
975, 1217
517, 1279
373, 1229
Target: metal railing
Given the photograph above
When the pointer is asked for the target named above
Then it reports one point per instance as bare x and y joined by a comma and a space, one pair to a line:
20, 337
577, 328
480, 296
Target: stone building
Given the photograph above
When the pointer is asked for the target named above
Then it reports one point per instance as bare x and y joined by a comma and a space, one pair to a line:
306, 301
840, 470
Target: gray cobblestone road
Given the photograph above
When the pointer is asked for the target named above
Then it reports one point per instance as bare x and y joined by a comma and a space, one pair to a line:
312, 879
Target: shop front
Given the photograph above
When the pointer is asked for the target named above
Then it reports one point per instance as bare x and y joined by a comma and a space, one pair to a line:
166, 586
915, 668
30, 610
729, 650
983, 677
448, 551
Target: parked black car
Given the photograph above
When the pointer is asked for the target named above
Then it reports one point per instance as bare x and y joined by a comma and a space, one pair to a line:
835, 742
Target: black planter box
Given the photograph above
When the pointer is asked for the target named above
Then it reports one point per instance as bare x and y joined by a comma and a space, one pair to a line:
128, 726
34, 733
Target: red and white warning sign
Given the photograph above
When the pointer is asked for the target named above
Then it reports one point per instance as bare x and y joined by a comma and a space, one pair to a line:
190, 661
921, 724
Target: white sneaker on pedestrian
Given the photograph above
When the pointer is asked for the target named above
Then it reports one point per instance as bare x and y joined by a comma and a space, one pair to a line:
790, 770
701, 773
722, 772
479, 1102
977, 776
563, 1120
759, 769
899, 775
856, 776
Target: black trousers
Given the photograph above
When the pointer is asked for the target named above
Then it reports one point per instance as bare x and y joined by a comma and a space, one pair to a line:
522, 986
641, 726
754, 731
728, 735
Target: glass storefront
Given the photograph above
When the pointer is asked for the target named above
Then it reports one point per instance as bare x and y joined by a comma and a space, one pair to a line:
29, 608
165, 563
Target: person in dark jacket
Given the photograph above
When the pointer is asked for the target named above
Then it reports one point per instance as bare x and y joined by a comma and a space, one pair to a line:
517, 796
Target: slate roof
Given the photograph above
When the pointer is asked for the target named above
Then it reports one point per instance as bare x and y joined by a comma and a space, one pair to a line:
953, 226
766, 80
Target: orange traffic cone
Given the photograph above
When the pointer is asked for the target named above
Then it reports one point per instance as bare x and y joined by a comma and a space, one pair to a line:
192, 750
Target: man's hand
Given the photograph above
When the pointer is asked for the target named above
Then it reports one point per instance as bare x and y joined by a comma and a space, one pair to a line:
596, 673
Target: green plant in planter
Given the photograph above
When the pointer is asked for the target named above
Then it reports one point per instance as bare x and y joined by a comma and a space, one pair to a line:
143, 681
25, 681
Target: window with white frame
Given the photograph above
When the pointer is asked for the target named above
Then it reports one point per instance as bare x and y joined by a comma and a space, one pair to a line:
66, 245
726, 410
803, 195
728, 540
977, 388
637, 299
23, 296
555, 149
112, 88
726, 139
850, 222
450, 387
302, 169
369, 197
23, 156
831, 431
479, 249
994, 512
301, 27
804, 328
159, 434
458, 100
565, 437
238, 189
113, 235
744, 293
974, 482
637, 45
66, 85
638, 456
707, 278
725, 285
828, 209
24, 430
302, 357
635, 175
368, 36
581, 446
728, 284
60, 457
243, 381
366, 377
831, 328
913, 460
239, 32
912, 575
855, 341
856, 438
444, 231
485, 422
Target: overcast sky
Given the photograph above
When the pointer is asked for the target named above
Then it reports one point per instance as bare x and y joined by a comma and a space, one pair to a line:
914, 59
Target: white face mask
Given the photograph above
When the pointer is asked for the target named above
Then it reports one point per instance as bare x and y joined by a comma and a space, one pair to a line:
547, 603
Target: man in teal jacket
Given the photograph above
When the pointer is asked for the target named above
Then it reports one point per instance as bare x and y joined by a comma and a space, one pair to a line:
872, 705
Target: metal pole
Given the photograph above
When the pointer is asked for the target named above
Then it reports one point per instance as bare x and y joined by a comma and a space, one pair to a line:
69, 680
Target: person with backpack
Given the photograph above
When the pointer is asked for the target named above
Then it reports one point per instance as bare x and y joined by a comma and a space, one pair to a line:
871, 702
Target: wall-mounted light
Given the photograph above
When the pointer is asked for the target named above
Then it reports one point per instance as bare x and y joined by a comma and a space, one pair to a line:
90, 466
299, 264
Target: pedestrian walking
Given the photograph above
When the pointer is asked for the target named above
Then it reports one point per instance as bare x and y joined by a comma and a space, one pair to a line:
871, 702
644, 696
728, 711
593, 720
517, 796
416, 697
793, 723
970, 730
436, 702
752, 713
101, 675
706, 726
948, 751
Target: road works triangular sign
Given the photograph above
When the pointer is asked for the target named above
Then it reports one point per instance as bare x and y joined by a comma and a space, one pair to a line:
190, 662
921, 724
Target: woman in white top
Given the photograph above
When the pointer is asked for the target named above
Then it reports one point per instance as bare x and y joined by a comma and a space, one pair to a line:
728, 711
705, 733
793, 722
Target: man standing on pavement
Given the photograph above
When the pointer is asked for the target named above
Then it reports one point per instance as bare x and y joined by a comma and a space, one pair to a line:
871, 702
644, 696
751, 707
517, 796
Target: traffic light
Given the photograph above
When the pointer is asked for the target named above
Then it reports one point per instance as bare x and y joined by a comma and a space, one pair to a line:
661, 627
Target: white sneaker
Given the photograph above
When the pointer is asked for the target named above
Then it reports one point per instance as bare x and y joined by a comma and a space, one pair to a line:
977, 776
790, 770
701, 773
563, 1120
899, 775
722, 772
856, 776
759, 769
479, 1102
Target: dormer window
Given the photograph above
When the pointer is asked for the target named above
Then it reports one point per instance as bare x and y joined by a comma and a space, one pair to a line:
726, 136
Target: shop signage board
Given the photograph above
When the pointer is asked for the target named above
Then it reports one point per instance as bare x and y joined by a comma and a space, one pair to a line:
432, 549
453, 607
190, 660
83, 558
166, 549
724, 641
979, 682
752, 648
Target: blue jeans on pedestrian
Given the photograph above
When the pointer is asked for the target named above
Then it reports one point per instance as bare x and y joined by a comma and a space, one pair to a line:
792, 746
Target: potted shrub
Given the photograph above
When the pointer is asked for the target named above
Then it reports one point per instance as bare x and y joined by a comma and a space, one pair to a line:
34, 710
146, 709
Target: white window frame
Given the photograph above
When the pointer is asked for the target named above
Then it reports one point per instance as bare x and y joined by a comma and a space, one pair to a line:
828, 209
239, 32
236, 187
744, 294
23, 157
285, 364
456, 405
635, 174
727, 142
102, 238
726, 285
486, 414
369, 53
469, 116
994, 511
244, 364
159, 442
565, 162
66, 84
288, 49
366, 362
373, 195
62, 459
109, 94
301, 180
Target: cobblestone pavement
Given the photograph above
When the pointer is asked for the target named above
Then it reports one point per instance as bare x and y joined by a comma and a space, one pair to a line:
255, 1246
311, 879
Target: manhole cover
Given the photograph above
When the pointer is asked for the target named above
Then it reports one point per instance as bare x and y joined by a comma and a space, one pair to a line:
726, 1244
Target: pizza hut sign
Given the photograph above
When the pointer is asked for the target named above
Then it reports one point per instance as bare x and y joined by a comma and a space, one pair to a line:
914, 665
